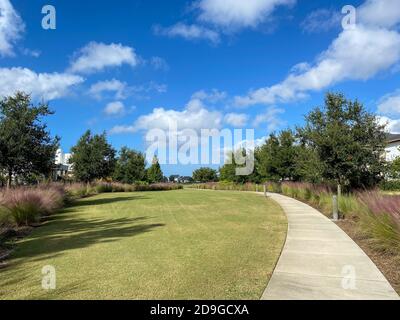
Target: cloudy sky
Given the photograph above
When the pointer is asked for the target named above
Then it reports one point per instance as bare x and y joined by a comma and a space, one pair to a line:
126, 67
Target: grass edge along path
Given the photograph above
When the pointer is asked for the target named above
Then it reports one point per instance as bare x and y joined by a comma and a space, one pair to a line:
369, 228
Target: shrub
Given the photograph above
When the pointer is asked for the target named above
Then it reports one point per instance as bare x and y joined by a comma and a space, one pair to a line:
103, 187
231, 186
380, 220
79, 190
118, 187
24, 205
390, 185
349, 205
53, 197
5, 218
158, 187
274, 187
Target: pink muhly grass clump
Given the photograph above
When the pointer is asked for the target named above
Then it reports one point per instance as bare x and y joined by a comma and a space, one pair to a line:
27, 205
382, 221
380, 205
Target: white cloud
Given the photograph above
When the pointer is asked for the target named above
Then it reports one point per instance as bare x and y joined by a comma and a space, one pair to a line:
213, 96
235, 14
390, 104
392, 125
358, 54
11, 27
194, 116
144, 91
95, 57
116, 86
48, 86
221, 16
322, 20
189, 32
159, 63
379, 13
115, 108
157, 87
270, 118
300, 68
238, 120
121, 90
32, 53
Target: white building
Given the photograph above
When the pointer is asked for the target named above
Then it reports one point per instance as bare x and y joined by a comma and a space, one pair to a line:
63, 167
62, 158
392, 150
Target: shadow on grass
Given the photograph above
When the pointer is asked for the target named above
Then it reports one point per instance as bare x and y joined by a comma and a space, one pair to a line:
65, 231
103, 201
69, 234
9, 287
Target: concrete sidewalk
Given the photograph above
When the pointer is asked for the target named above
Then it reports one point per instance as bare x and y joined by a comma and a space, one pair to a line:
321, 262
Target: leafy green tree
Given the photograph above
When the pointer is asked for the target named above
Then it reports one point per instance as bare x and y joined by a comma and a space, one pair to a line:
276, 159
130, 166
349, 141
205, 175
92, 158
266, 159
394, 169
228, 170
26, 147
154, 173
309, 167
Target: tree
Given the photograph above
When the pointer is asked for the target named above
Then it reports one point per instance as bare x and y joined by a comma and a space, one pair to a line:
205, 175
276, 159
309, 167
266, 159
154, 173
228, 170
394, 169
92, 158
130, 166
26, 147
348, 140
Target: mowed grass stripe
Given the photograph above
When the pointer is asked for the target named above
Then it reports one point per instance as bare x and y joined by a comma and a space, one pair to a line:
184, 244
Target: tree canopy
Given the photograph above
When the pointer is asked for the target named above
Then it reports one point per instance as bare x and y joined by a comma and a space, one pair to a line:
348, 140
130, 166
154, 173
92, 158
276, 159
26, 146
205, 175
228, 170
340, 143
394, 169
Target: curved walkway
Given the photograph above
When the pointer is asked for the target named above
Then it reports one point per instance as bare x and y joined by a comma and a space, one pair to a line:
321, 262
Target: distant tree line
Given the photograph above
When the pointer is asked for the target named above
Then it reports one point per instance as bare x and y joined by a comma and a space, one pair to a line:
93, 158
27, 150
341, 143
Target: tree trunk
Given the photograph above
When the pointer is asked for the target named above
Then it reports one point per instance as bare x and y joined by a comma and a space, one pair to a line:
9, 180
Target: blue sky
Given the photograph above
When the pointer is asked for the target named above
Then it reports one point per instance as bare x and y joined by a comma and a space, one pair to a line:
258, 64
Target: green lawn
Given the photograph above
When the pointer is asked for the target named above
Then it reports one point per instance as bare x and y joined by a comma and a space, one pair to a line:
184, 244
